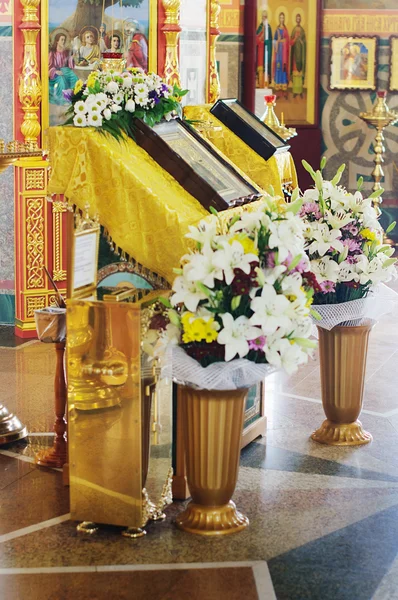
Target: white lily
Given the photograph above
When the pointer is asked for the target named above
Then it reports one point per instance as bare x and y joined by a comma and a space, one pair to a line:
203, 233
324, 239
347, 272
186, 292
325, 269
283, 354
235, 335
339, 219
270, 310
200, 267
287, 236
232, 256
291, 284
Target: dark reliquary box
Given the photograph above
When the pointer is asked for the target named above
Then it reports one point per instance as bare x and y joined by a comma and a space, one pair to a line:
256, 134
195, 164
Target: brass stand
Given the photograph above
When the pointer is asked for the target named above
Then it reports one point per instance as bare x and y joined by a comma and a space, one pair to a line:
379, 117
11, 428
57, 456
269, 118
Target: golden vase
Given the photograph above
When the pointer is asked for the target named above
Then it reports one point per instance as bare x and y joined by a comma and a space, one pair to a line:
343, 353
213, 423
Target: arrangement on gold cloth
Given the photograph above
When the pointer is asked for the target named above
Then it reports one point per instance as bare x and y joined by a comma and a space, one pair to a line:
349, 262
110, 100
239, 311
51, 328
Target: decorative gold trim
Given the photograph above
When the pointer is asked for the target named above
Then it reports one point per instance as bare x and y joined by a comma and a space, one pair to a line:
30, 90
171, 30
213, 86
35, 242
58, 207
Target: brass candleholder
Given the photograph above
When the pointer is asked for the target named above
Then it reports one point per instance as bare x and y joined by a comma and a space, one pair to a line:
11, 152
269, 118
379, 117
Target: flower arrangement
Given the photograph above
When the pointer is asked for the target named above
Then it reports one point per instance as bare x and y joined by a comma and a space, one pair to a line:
344, 240
242, 294
110, 100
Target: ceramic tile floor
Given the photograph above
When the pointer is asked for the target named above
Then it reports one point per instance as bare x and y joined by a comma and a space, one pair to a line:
323, 520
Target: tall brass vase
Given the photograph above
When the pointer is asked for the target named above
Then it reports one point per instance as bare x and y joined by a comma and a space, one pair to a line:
343, 353
213, 423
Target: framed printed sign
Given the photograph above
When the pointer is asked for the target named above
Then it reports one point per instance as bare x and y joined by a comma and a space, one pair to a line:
79, 31
353, 62
394, 64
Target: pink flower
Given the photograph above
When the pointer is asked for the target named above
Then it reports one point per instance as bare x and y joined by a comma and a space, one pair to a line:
351, 228
352, 245
258, 343
327, 286
310, 208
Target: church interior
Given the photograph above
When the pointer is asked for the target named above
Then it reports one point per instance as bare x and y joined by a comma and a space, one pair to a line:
198, 299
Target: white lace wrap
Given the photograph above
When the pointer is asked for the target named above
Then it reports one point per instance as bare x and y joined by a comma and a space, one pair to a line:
240, 373
380, 301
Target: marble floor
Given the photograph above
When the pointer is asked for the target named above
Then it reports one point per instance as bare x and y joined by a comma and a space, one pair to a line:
323, 520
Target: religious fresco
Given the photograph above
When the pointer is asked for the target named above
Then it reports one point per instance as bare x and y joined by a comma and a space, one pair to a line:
81, 31
353, 62
286, 47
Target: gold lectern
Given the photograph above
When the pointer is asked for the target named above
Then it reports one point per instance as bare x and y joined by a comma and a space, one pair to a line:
117, 476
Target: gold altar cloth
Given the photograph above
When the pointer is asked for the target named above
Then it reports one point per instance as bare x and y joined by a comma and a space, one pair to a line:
277, 170
144, 209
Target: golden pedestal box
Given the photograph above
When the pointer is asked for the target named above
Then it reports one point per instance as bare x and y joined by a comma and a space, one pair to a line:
119, 415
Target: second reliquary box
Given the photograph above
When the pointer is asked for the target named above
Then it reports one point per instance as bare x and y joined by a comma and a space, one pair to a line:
195, 164
256, 134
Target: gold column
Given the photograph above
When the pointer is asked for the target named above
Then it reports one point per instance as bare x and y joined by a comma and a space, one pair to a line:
214, 88
58, 207
171, 30
30, 83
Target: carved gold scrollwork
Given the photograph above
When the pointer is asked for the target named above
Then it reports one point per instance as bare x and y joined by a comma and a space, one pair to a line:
35, 242
34, 303
30, 84
58, 207
171, 30
214, 80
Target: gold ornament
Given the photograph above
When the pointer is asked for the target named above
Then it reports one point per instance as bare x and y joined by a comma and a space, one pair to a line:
171, 30
214, 90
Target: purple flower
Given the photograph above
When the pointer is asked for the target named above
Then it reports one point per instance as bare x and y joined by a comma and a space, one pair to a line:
352, 245
327, 286
68, 95
310, 208
153, 96
351, 228
258, 343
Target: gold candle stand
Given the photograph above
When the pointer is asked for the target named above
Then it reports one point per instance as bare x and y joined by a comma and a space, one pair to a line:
269, 118
379, 117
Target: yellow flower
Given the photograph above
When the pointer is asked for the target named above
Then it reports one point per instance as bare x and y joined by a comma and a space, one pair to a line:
92, 78
368, 235
248, 244
78, 86
196, 330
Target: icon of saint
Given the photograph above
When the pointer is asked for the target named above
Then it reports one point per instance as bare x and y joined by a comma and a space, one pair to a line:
280, 64
298, 57
264, 52
61, 65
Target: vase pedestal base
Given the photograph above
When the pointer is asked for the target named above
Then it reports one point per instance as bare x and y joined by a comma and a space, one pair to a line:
341, 434
212, 520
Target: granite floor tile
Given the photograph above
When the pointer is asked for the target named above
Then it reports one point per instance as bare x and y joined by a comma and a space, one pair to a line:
286, 510
366, 551
195, 584
31, 495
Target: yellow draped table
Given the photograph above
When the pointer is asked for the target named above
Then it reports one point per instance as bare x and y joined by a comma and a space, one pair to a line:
146, 212
276, 171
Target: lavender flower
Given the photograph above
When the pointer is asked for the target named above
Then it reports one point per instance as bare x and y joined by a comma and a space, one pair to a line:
68, 95
310, 208
352, 245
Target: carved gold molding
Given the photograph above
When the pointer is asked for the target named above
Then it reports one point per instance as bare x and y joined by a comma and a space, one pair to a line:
30, 90
214, 88
35, 233
58, 207
171, 30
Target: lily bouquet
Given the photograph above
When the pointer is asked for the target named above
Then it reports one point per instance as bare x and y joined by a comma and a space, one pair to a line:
240, 307
344, 243
110, 101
